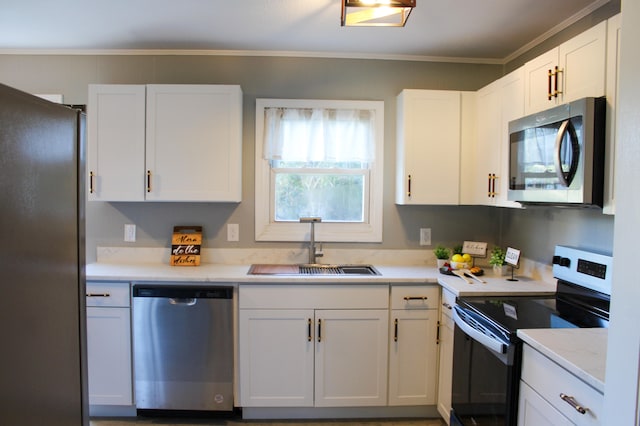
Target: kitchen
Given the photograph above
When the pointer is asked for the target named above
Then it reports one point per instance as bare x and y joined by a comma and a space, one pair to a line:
286, 77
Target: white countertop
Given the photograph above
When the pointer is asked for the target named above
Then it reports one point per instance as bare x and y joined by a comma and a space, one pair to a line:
220, 273
581, 351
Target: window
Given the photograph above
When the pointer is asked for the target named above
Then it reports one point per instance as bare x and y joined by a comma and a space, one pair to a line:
319, 158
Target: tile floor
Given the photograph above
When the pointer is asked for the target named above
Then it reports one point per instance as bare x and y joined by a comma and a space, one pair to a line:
145, 421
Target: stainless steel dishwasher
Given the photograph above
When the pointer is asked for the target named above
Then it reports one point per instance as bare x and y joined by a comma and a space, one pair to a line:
183, 347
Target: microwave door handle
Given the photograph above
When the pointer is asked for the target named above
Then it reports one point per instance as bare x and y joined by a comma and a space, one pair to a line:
485, 340
557, 160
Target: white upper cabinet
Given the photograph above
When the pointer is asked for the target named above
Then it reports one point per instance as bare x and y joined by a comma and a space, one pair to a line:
194, 143
575, 69
613, 60
116, 140
428, 147
496, 104
165, 143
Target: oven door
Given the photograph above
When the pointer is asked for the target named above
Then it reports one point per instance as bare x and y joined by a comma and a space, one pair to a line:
485, 374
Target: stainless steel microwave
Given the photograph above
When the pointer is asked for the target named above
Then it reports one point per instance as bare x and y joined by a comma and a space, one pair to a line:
557, 156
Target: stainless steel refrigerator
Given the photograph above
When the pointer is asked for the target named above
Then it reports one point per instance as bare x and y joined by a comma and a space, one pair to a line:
42, 283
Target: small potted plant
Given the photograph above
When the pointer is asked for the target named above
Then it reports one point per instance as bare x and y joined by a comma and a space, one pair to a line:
442, 255
497, 260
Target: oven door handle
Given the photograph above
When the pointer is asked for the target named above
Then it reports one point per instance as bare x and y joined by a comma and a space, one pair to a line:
485, 340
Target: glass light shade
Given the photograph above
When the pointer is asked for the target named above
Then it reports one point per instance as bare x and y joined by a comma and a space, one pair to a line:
376, 13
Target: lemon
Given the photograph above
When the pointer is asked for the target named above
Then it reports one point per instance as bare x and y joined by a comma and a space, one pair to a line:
466, 258
457, 258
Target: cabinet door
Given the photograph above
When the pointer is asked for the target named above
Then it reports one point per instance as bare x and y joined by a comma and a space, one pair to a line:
533, 410
536, 95
116, 142
194, 143
428, 147
497, 104
109, 356
511, 108
445, 364
488, 153
276, 358
583, 63
351, 357
413, 353
613, 61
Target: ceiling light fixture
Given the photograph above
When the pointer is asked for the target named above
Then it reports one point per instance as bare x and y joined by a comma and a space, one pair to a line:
376, 13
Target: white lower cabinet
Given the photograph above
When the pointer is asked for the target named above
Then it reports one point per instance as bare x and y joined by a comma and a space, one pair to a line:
313, 345
351, 358
109, 344
276, 358
445, 364
413, 349
551, 395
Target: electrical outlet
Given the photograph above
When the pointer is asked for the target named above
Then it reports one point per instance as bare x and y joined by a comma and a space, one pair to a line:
130, 233
233, 232
425, 236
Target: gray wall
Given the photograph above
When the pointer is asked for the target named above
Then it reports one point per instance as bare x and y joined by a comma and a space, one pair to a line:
534, 231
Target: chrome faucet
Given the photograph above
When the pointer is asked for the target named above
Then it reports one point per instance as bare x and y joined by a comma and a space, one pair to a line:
313, 251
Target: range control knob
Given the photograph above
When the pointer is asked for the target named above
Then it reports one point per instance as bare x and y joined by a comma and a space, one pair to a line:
562, 261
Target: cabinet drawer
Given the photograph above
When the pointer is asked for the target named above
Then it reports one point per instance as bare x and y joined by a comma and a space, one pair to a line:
448, 302
550, 380
108, 294
415, 297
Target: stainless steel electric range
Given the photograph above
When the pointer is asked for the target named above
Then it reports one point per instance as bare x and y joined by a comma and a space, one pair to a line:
487, 352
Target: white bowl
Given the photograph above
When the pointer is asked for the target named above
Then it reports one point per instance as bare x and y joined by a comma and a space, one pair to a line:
460, 265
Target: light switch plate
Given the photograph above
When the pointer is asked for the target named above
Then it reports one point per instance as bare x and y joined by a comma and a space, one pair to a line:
130, 233
425, 236
233, 232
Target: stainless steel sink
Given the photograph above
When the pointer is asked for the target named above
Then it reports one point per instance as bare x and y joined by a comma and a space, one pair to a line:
312, 269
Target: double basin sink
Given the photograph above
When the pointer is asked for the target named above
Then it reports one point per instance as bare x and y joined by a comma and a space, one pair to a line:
312, 269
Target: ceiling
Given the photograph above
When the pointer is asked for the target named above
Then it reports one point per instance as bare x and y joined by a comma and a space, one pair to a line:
465, 30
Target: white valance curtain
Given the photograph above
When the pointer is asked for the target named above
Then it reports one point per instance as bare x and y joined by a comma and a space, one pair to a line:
319, 134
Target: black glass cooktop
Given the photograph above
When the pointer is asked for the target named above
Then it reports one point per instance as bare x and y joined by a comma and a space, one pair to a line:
570, 307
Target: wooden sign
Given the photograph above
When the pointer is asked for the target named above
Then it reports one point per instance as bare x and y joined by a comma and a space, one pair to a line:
186, 244
475, 248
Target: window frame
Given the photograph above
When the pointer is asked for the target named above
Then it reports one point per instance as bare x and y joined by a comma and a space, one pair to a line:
268, 230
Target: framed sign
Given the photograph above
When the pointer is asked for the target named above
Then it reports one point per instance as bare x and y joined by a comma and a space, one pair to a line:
512, 257
475, 248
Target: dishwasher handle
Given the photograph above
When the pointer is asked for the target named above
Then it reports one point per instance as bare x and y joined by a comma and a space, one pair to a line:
187, 301
182, 292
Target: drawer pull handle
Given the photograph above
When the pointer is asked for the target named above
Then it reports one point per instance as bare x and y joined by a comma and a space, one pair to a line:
407, 298
572, 402
395, 330
98, 295
446, 305
91, 176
